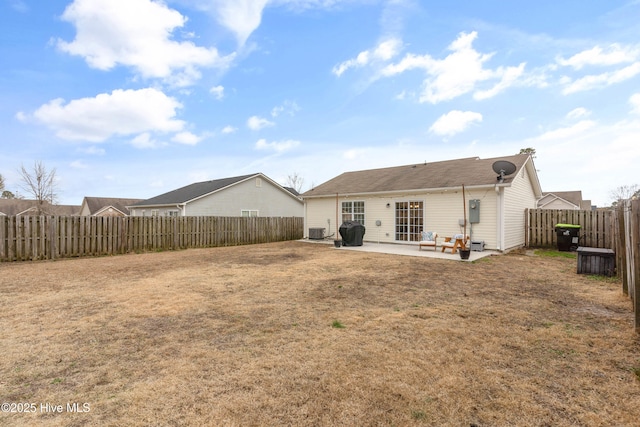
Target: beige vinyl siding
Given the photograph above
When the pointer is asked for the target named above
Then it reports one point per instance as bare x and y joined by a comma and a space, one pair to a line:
154, 211
518, 197
84, 211
321, 213
441, 213
267, 199
443, 210
560, 204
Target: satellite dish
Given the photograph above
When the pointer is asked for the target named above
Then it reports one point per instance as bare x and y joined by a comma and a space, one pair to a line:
503, 168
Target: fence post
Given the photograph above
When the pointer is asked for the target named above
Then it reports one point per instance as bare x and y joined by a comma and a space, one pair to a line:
3, 242
53, 237
635, 261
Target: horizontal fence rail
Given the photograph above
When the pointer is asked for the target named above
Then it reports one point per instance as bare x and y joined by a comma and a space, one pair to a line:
597, 228
27, 238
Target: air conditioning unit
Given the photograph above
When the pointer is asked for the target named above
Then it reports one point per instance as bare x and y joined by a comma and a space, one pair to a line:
316, 233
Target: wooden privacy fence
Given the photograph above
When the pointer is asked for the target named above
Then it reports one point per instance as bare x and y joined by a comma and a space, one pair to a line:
25, 238
596, 227
627, 248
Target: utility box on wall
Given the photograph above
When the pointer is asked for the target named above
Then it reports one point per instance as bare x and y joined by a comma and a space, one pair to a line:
474, 211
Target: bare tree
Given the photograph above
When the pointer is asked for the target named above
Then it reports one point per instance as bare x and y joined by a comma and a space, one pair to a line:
1, 182
624, 192
40, 183
295, 181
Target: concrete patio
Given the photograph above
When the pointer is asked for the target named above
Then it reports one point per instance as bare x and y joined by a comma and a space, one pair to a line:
408, 249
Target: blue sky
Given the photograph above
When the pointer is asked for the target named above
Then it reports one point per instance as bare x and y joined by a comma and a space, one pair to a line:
133, 98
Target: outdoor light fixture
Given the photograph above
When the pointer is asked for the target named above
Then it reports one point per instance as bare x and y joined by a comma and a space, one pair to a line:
388, 205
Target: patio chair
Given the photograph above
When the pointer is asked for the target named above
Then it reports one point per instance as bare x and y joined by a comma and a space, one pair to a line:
428, 238
455, 242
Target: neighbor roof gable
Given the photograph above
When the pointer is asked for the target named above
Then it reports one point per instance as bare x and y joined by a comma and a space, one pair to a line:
97, 205
191, 192
571, 197
198, 190
12, 207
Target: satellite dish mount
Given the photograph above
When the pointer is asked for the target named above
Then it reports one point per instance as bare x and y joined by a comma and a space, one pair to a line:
503, 168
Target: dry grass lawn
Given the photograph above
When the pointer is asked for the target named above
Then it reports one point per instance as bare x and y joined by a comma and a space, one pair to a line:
307, 335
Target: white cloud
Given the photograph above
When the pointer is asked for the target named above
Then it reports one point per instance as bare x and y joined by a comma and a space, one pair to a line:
186, 138
145, 140
354, 153
242, 17
217, 91
634, 100
94, 151
509, 76
279, 146
455, 122
572, 149
123, 112
601, 80
614, 55
563, 134
385, 50
578, 113
78, 164
257, 123
228, 129
287, 107
457, 74
136, 33
22, 117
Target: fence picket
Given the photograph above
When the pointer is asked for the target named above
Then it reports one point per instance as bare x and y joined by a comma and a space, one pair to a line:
49, 237
597, 227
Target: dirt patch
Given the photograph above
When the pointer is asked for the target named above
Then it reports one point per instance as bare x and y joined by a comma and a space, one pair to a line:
247, 336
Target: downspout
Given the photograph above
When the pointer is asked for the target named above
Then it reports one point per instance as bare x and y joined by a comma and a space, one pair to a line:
500, 217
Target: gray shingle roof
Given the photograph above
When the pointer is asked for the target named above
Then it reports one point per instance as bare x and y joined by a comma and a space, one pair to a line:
191, 191
95, 204
423, 176
12, 207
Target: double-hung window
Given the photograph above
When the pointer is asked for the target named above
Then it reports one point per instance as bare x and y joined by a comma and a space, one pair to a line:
353, 211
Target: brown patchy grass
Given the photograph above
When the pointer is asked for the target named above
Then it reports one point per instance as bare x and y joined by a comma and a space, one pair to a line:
247, 336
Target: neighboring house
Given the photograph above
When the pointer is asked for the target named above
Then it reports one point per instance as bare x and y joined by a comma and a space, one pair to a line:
564, 200
395, 204
17, 207
106, 206
248, 195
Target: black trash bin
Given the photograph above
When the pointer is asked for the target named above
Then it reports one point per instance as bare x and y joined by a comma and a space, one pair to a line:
568, 236
352, 232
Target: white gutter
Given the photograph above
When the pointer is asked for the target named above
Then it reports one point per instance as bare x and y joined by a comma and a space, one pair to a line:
417, 191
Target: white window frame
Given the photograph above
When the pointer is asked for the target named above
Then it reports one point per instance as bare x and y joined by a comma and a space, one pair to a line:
249, 213
408, 229
353, 210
